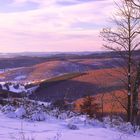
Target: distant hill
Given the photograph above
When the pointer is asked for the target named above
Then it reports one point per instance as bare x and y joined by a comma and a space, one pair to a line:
15, 60
26, 59
77, 85
52, 68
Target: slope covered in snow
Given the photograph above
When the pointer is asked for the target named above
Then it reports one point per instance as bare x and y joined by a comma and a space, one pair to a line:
54, 129
16, 87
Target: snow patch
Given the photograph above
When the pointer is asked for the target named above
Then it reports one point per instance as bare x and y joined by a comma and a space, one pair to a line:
17, 87
20, 112
21, 77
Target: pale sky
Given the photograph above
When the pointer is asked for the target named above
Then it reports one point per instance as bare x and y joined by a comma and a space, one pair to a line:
52, 25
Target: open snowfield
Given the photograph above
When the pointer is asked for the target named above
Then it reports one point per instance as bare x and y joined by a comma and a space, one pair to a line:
54, 129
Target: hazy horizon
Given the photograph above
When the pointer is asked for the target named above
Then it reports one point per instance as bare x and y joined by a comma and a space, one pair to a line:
53, 52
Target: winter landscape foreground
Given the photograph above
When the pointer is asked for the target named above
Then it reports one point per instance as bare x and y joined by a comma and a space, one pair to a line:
17, 125
57, 130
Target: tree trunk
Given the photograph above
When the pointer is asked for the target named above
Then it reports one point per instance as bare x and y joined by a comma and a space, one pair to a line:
129, 71
135, 97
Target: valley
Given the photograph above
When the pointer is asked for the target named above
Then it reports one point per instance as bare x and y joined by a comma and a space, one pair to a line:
63, 76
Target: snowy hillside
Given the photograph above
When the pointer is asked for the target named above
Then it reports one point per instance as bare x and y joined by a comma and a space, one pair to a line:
38, 121
52, 129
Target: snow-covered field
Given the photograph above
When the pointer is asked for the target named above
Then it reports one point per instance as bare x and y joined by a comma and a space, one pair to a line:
24, 119
55, 129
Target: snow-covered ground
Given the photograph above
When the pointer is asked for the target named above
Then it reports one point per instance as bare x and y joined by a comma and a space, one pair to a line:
54, 129
16, 87
24, 119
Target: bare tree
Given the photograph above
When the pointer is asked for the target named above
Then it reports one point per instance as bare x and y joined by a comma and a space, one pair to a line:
136, 3
135, 108
123, 38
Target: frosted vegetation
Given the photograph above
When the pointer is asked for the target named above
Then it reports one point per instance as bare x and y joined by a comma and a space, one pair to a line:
31, 120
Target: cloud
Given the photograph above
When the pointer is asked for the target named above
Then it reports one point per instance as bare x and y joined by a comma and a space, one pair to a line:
53, 24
